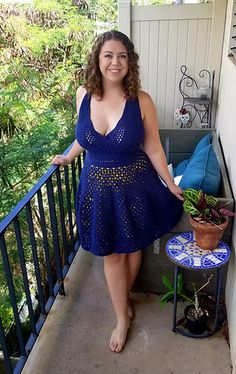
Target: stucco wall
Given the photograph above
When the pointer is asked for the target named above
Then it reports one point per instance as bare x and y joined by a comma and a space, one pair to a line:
226, 125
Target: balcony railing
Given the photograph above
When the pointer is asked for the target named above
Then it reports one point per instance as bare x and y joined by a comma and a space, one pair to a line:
38, 241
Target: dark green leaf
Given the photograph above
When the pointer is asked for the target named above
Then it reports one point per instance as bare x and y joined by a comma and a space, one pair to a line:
167, 297
167, 283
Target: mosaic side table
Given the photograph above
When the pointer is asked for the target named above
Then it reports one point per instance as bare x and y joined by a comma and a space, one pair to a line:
182, 249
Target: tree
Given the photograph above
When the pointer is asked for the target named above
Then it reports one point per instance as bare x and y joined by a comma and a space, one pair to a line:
43, 49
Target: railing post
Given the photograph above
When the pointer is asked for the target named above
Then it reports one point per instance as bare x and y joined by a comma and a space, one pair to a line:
24, 274
11, 228
7, 361
45, 243
68, 197
62, 217
55, 238
10, 284
35, 259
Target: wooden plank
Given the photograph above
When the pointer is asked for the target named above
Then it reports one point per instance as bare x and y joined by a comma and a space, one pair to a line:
181, 53
191, 52
180, 60
135, 32
168, 12
201, 53
153, 59
144, 54
208, 35
162, 72
201, 47
171, 67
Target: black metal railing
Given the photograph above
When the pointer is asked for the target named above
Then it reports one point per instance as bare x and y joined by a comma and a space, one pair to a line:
38, 241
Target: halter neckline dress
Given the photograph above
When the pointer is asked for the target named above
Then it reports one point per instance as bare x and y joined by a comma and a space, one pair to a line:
122, 205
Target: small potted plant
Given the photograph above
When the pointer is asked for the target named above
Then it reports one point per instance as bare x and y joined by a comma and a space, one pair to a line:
197, 316
207, 219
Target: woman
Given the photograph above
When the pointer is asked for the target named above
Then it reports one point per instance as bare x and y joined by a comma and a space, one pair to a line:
122, 205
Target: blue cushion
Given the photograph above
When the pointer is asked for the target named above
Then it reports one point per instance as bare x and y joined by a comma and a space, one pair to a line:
203, 143
202, 172
179, 170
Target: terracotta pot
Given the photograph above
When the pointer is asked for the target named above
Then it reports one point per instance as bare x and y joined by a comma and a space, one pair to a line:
208, 235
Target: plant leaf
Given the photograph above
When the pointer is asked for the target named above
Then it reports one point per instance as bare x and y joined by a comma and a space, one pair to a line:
190, 208
167, 297
226, 212
211, 201
191, 195
167, 283
201, 204
215, 213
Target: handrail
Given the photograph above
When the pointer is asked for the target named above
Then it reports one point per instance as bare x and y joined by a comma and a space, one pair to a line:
40, 234
17, 209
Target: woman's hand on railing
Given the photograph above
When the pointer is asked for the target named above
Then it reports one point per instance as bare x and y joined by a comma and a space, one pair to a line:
61, 160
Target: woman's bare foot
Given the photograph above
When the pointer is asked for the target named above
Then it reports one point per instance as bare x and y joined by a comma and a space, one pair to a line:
118, 337
130, 309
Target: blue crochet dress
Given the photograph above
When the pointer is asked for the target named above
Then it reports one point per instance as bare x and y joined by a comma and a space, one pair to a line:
122, 205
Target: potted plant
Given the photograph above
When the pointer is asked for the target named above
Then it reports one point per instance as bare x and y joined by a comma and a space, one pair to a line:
196, 316
207, 219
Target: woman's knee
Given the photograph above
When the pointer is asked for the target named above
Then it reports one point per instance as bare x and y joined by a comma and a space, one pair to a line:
135, 254
115, 259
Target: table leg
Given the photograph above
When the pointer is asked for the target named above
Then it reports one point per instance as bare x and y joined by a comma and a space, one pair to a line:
218, 289
175, 297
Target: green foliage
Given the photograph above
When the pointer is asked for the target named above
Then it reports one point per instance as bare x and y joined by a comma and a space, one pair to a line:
43, 49
203, 207
169, 295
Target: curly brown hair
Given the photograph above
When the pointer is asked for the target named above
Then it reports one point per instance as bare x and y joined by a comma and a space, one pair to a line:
92, 73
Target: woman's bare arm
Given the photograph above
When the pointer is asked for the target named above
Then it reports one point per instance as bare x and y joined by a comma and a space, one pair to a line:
76, 149
152, 144
74, 152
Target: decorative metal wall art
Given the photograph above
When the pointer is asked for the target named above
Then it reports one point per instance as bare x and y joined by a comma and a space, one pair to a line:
197, 99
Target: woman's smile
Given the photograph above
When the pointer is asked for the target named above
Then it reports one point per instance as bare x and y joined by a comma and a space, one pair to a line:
113, 60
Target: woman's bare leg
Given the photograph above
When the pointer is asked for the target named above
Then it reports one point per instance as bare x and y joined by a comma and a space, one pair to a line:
134, 261
116, 273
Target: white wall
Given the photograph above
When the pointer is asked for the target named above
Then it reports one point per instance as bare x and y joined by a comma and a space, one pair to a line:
226, 125
168, 36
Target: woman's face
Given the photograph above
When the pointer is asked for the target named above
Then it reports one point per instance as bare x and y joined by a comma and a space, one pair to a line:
113, 61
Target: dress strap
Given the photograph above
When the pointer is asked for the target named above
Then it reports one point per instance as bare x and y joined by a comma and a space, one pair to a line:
85, 105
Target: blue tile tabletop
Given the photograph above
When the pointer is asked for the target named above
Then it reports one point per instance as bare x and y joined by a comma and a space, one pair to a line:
184, 251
